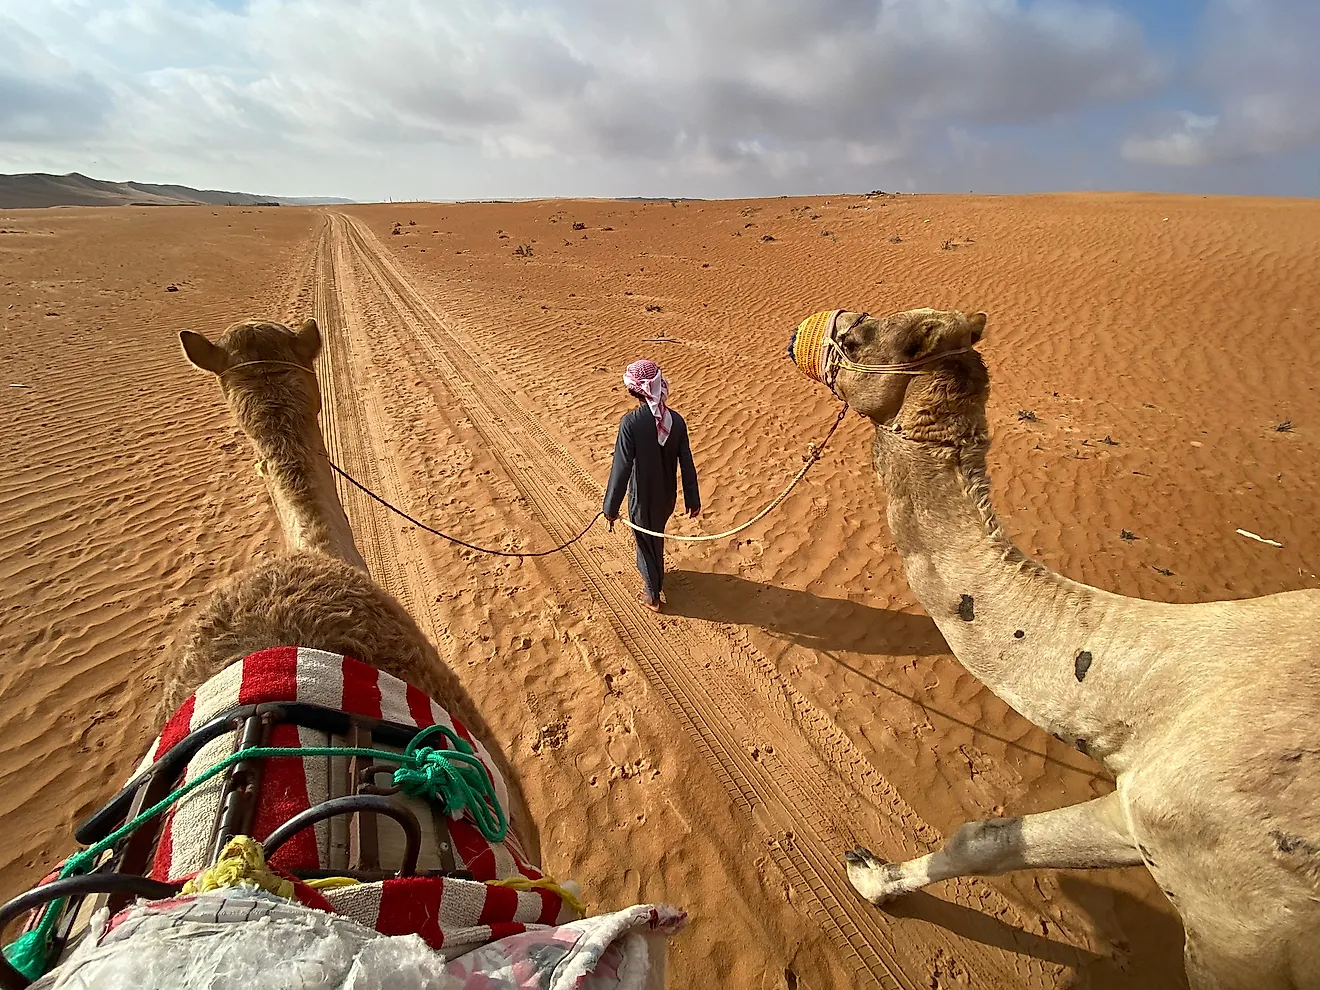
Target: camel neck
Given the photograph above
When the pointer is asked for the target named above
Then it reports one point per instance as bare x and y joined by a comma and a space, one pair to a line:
302, 488
1044, 644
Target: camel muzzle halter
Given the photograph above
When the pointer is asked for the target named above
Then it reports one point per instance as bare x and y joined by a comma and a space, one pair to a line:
815, 349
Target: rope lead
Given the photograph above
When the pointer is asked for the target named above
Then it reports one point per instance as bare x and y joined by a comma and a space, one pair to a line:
813, 455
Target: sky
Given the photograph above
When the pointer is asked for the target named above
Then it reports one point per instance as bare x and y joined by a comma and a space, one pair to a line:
460, 99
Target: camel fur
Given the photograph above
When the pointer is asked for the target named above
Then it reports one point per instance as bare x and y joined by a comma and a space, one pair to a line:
317, 592
1204, 714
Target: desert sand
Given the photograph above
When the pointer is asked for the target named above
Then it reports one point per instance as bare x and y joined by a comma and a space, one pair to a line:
1154, 363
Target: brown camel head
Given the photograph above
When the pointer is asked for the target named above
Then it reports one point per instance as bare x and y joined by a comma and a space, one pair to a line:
266, 373
945, 402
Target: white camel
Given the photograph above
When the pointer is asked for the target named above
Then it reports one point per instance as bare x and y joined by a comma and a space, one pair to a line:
1205, 714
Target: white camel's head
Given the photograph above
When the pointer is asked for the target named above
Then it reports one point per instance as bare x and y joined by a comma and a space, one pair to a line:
918, 368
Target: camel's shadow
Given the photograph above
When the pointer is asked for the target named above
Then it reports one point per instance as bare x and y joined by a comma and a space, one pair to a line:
825, 624
832, 627
978, 926
1148, 942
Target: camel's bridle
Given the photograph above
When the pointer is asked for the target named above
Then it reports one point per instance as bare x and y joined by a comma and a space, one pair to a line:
835, 359
824, 358
280, 364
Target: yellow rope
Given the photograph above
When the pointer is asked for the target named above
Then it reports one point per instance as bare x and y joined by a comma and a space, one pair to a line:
241, 862
545, 883
330, 883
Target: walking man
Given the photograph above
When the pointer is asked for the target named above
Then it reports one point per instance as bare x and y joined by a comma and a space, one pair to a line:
651, 448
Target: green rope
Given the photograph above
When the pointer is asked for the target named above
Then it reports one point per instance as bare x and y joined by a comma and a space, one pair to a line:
454, 777
457, 774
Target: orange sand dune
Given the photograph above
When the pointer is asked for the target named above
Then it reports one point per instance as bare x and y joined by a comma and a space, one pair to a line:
1145, 353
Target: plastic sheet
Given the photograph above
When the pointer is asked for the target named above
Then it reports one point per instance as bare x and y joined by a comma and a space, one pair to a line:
244, 938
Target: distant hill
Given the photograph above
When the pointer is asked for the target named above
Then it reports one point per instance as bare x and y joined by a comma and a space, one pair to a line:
39, 189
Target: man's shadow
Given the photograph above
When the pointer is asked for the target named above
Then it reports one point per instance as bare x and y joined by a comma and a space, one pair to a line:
825, 624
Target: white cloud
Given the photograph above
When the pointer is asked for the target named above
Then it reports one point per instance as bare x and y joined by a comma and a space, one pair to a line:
707, 96
43, 98
1257, 67
1184, 144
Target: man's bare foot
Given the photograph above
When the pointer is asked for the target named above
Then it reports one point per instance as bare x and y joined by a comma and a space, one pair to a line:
650, 603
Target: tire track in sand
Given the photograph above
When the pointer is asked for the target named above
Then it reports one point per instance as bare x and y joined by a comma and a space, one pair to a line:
357, 438
786, 784
341, 419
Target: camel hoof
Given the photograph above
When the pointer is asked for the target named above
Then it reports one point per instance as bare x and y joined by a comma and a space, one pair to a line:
876, 880
862, 856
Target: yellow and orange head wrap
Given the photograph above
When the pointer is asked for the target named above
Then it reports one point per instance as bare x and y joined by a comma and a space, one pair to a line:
807, 347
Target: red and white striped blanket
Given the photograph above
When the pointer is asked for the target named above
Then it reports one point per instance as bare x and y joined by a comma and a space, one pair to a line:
451, 915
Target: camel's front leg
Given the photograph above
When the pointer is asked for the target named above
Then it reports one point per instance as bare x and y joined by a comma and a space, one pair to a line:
1084, 836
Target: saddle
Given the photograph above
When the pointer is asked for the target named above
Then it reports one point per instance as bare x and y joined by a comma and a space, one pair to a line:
447, 875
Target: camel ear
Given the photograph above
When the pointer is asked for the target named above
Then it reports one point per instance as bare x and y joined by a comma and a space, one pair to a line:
977, 320
202, 353
308, 341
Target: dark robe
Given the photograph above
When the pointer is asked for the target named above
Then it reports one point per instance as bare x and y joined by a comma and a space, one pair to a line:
649, 474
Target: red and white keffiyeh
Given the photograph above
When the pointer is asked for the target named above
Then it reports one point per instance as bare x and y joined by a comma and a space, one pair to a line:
644, 378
